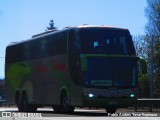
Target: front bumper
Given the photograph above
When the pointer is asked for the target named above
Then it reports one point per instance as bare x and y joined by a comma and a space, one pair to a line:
108, 102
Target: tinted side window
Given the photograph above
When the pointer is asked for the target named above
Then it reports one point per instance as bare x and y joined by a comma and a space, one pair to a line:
57, 43
61, 43
34, 50
14, 53
54, 44
9, 54
43, 48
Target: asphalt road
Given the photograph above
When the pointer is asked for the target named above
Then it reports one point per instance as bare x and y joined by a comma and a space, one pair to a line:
79, 114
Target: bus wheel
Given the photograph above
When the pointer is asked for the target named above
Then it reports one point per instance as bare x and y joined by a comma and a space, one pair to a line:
57, 109
18, 101
25, 106
65, 104
111, 110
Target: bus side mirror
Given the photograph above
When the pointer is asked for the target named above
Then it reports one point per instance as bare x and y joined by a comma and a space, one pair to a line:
142, 66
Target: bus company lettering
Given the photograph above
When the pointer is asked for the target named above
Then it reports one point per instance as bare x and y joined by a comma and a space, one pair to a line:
58, 67
41, 68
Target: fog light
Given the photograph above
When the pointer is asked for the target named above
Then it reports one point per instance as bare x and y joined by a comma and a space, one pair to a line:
132, 95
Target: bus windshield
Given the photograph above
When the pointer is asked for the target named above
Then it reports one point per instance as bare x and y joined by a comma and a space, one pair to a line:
109, 72
106, 41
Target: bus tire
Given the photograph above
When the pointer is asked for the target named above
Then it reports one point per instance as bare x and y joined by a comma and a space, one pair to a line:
111, 110
25, 106
18, 101
57, 109
64, 103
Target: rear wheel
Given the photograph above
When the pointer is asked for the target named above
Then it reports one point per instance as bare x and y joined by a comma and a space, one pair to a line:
65, 103
24, 105
111, 110
18, 101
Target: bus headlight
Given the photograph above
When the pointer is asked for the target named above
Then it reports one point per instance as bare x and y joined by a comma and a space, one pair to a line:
132, 95
90, 95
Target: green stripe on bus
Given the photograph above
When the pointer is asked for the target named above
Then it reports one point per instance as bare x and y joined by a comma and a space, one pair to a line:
16, 74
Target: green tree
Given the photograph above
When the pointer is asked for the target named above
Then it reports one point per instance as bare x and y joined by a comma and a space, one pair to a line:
141, 47
153, 31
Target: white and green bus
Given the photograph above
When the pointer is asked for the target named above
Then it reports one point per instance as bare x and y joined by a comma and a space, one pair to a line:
83, 66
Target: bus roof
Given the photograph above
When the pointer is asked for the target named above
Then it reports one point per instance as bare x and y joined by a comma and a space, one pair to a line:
98, 26
46, 33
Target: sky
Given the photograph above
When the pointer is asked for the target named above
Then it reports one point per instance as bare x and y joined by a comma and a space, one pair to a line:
20, 19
